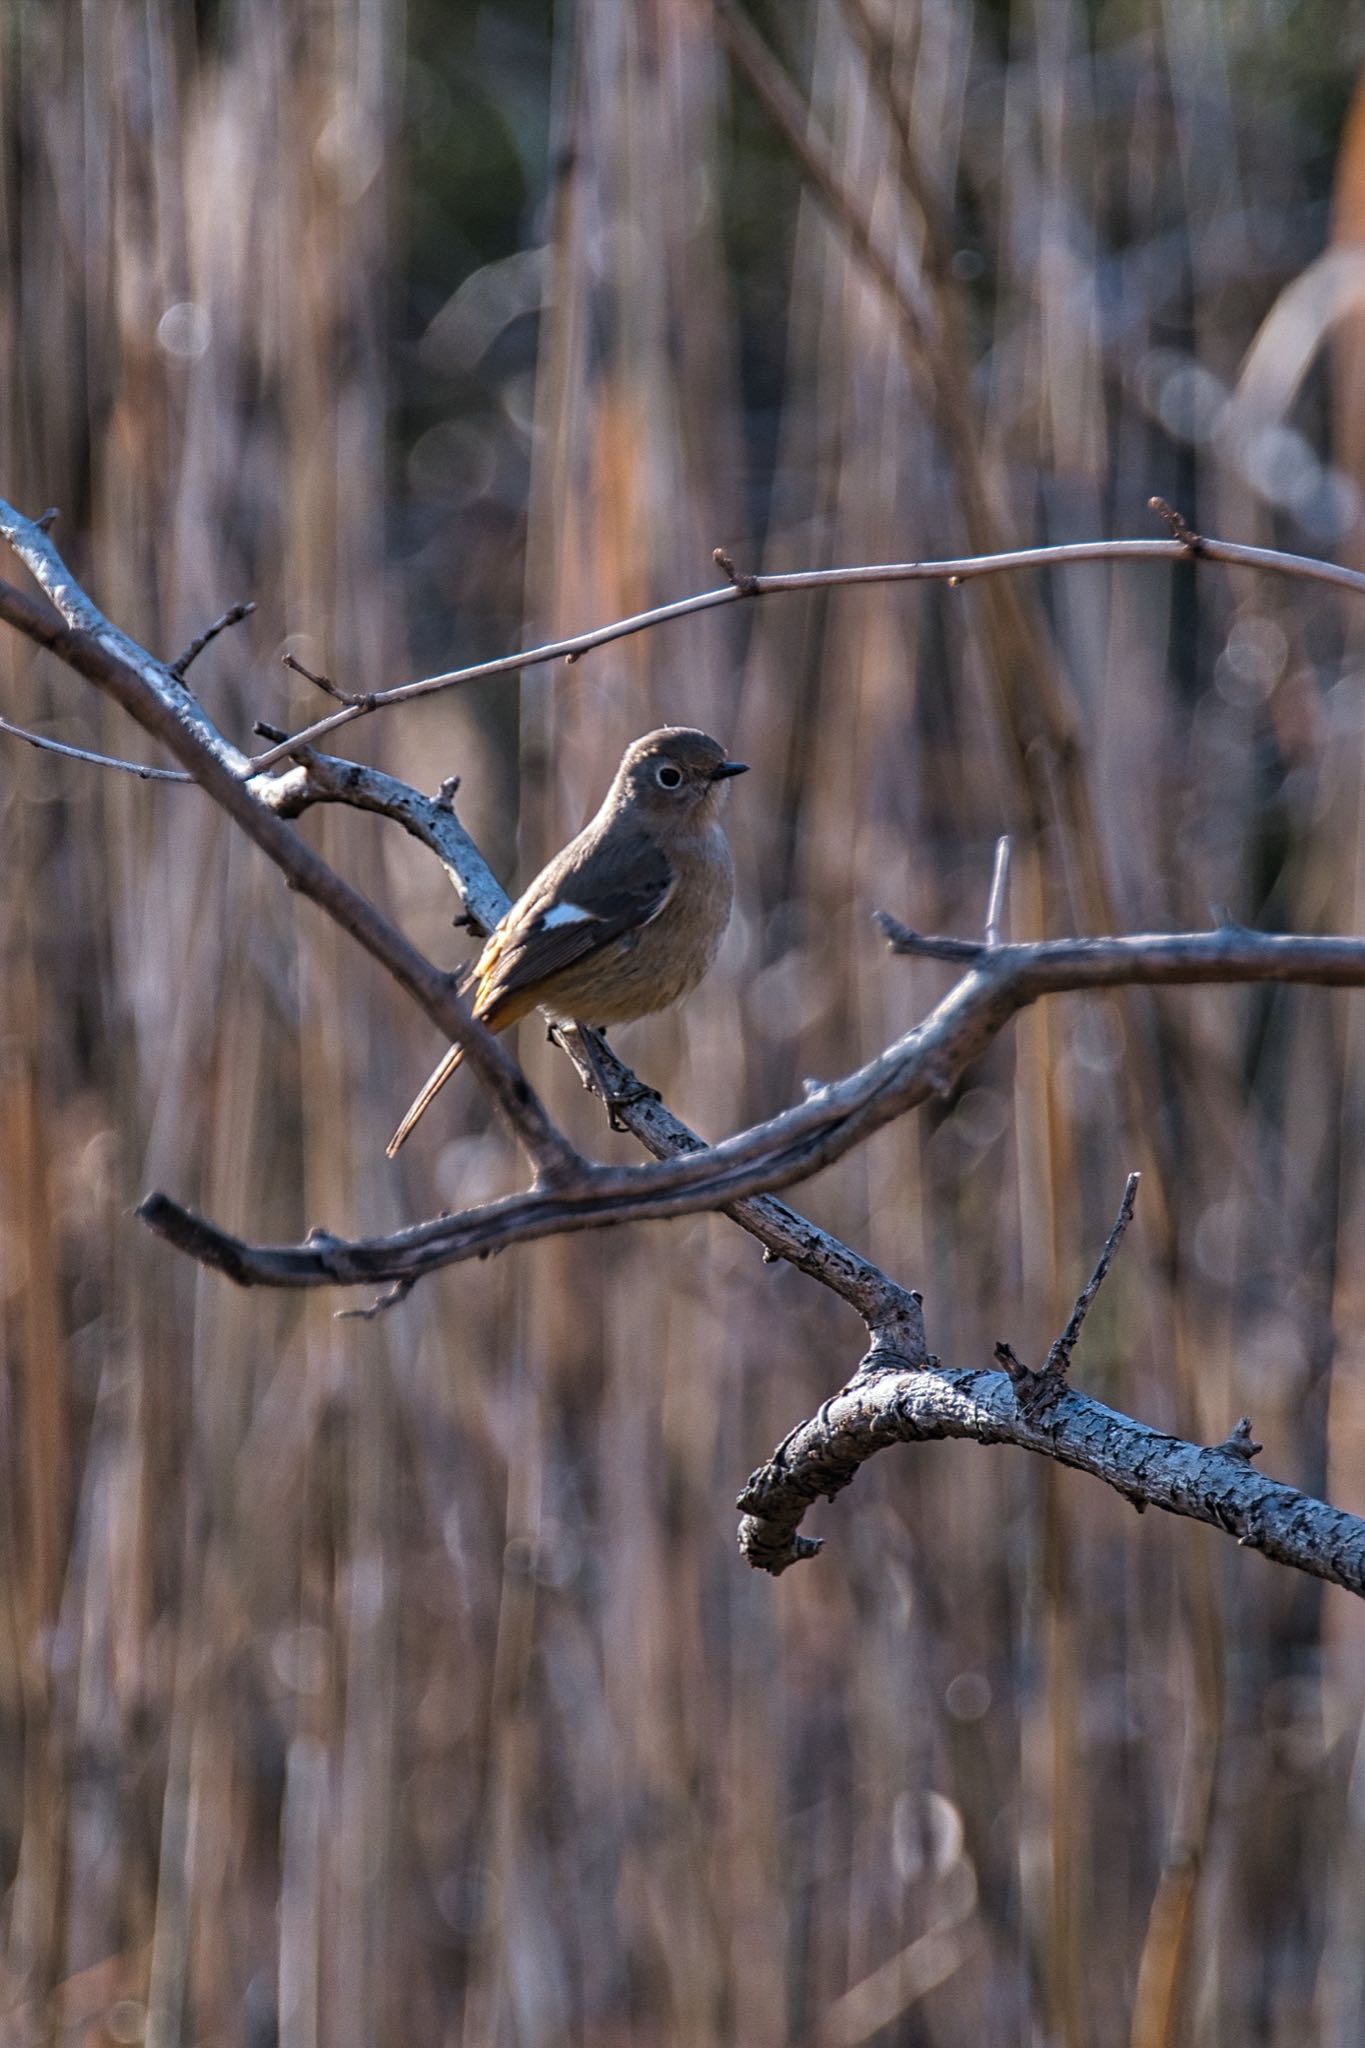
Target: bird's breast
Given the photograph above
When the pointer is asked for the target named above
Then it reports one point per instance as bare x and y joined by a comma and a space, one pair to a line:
662, 961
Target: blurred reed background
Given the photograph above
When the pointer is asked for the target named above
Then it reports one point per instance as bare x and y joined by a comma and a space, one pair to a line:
399, 1682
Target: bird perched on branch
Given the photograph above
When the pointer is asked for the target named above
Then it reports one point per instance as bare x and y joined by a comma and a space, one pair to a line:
627, 919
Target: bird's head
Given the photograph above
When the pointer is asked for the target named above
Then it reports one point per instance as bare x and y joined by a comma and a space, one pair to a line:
675, 774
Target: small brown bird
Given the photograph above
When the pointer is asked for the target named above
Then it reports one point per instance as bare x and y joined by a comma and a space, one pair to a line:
627, 919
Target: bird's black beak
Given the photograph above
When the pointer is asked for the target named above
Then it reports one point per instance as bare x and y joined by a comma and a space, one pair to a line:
728, 768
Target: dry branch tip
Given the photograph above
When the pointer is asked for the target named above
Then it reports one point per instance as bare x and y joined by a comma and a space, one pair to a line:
1180, 531
1240, 1442
390, 1298
747, 585
353, 702
1059, 1357
233, 616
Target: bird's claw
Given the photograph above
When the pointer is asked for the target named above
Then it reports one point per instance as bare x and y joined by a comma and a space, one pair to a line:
627, 1099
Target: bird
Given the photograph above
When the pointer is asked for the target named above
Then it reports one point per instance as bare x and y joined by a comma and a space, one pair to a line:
627, 918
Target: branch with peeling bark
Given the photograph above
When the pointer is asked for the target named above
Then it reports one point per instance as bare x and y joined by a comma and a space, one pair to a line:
884, 1404
899, 1392
896, 1401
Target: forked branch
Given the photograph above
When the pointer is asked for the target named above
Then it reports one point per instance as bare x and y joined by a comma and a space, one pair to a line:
883, 1406
787, 1148
894, 1402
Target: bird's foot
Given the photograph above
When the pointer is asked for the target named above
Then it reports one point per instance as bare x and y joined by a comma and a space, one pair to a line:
627, 1098
614, 1100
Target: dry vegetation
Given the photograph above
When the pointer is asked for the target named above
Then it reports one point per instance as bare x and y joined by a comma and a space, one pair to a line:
397, 1681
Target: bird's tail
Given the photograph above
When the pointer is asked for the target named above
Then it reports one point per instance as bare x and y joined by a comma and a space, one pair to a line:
428, 1094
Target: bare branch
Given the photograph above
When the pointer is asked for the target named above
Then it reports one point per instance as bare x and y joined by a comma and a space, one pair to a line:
882, 1406
962, 570
1059, 1357
49, 746
791, 1146
899, 1393
1232, 953
902, 939
233, 616
891, 1313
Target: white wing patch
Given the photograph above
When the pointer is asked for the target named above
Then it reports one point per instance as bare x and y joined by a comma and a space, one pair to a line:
567, 913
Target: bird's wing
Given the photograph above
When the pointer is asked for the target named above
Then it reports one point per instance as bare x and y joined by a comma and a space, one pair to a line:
578, 906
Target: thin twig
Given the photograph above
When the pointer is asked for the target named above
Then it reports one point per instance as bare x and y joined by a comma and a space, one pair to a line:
47, 746
355, 700
995, 902
960, 570
390, 1298
1059, 1357
233, 616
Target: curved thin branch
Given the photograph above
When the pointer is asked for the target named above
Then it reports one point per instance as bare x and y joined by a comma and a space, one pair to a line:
964, 569
51, 746
882, 1405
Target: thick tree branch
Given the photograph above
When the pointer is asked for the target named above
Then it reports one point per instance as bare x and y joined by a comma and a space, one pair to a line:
892, 1400
791, 1146
882, 1405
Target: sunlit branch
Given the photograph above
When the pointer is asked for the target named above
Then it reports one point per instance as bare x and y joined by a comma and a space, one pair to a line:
962, 569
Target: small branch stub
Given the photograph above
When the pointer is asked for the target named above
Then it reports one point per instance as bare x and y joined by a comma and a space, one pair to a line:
995, 902
1189, 540
1240, 1442
748, 586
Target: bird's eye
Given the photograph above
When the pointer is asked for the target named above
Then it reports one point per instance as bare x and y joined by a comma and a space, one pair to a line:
667, 776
